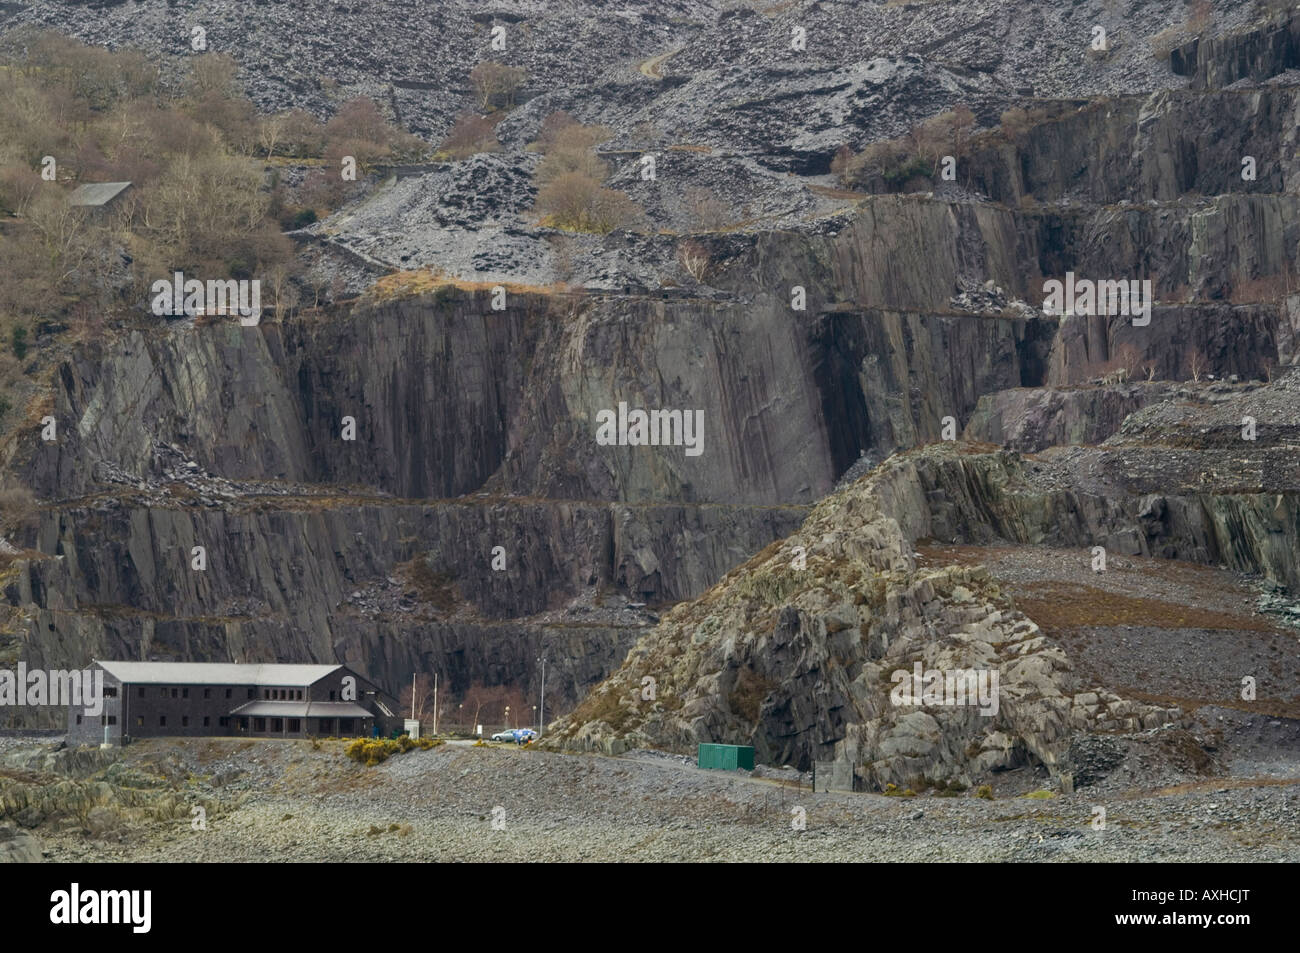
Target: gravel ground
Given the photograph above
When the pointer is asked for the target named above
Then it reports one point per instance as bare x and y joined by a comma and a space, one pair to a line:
1154, 629
461, 803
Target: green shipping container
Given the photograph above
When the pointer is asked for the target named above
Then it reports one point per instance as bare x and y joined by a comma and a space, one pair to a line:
726, 757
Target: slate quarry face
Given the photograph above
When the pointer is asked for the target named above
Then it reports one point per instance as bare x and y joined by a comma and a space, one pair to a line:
476, 427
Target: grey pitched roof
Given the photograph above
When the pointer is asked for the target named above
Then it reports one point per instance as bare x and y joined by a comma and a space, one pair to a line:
97, 193
215, 673
269, 709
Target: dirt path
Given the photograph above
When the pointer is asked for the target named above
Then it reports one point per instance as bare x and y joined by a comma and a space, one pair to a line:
653, 67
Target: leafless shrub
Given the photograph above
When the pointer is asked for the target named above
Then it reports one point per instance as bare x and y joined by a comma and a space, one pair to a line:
548, 132
495, 82
1264, 288
917, 153
708, 211
361, 124
301, 133
570, 147
843, 158
1016, 122
569, 177
17, 508
470, 135
18, 186
695, 258
87, 319
1195, 361
578, 202
1129, 359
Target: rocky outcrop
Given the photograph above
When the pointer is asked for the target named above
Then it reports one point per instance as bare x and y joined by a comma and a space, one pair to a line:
88, 790
1034, 419
1030, 419
1146, 148
18, 847
1254, 54
801, 651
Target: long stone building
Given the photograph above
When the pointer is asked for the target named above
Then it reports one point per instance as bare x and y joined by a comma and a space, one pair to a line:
192, 699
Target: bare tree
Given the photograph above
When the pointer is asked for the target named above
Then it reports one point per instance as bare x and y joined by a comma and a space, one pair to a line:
1129, 359
270, 130
492, 80
695, 258
418, 698
62, 230
470, 135
214, 73
578, 202
283, 293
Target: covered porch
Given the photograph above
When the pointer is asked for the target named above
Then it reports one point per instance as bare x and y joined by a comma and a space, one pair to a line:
296, 719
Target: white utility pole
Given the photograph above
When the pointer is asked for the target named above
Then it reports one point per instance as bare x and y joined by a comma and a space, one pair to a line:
435, 704
542, 696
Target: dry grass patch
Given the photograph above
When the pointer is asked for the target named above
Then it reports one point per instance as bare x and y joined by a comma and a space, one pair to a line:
747, 696
409, 284
1272, 707
1056, 606
437, 589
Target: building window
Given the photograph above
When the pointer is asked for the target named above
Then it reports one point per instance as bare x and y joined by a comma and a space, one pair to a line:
259, 724
185, 721
173, 693
185, 693
223, 721
252, 693
110, 692
227, 693
294, 726
300, 694
162, 721
331, 694
163, 692
139, 721
345, 726
141, 690
277, 725
207, 720
112, 719
78, 719
207, 693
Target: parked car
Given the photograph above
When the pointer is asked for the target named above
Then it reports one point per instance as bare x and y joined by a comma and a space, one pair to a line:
517, 735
